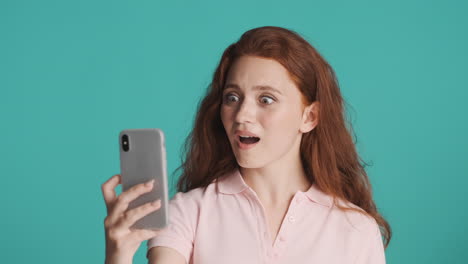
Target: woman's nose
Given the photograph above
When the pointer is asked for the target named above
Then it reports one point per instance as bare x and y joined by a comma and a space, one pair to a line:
245, 112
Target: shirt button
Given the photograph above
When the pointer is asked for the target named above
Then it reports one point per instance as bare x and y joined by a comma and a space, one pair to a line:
282, 238
291, 219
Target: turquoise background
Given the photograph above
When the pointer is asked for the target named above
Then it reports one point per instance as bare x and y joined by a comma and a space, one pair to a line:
75, 73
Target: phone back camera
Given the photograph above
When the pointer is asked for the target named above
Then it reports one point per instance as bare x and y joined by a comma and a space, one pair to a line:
125, 143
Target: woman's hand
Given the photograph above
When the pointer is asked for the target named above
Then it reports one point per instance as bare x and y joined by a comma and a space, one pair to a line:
121, 241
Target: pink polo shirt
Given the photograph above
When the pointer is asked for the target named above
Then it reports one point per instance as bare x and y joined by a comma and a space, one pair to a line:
226, 224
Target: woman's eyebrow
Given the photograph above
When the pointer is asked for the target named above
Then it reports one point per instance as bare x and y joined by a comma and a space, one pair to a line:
257, 87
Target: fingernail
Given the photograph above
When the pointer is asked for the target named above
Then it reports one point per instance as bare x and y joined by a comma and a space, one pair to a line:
149, 183
156, 202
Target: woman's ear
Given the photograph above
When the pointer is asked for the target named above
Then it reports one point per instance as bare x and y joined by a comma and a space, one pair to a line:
310, 117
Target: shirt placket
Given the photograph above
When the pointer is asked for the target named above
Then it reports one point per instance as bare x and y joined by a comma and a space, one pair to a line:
273, 253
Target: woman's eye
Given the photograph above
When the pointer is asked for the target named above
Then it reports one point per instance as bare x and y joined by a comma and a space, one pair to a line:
231, 98
267, 100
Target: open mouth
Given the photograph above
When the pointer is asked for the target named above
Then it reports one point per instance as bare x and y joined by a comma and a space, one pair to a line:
249, 140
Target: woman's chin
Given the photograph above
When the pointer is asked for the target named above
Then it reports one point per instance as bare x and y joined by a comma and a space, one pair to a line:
249, 163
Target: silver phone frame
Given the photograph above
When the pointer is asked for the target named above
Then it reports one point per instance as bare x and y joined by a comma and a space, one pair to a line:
146, 160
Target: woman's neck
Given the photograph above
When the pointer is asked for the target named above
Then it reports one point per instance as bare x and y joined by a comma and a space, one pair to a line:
278, 182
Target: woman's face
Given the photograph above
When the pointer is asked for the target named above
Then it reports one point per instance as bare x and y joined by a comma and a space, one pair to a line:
259, 98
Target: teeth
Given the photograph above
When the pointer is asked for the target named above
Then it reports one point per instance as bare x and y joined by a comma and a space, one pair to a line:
246, 137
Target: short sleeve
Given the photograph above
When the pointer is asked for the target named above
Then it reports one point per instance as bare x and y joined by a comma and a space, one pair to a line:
179, 234
373, 249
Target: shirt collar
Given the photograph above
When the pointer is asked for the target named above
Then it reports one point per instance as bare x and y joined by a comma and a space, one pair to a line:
233, 183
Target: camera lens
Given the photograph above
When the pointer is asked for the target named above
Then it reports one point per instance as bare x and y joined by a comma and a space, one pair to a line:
125, 143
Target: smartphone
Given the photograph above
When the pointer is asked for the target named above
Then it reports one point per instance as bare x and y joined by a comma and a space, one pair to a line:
143, 158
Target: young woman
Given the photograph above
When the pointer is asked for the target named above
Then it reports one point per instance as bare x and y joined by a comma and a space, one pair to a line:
271, 173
